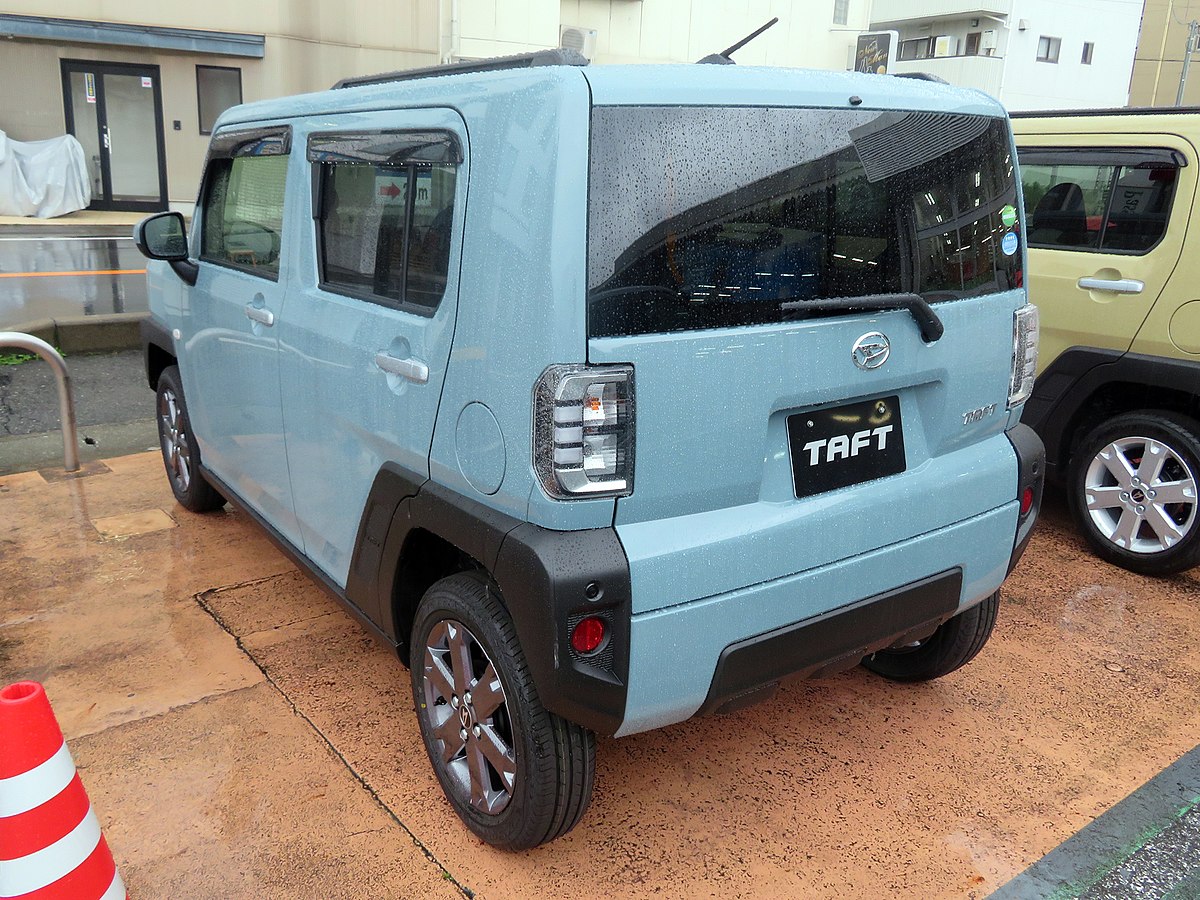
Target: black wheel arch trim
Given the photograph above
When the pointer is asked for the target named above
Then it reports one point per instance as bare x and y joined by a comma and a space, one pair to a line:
547, 581
1062, 392
156, 339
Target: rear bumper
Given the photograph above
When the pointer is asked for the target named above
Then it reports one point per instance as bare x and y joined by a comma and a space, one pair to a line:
810, 622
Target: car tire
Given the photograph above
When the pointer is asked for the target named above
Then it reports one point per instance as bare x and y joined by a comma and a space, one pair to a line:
181, 456
956, 642
522, 776
1119, 477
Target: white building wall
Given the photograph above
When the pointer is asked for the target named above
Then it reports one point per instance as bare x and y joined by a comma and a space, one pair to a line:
1014, 75
1111, 25
629, 31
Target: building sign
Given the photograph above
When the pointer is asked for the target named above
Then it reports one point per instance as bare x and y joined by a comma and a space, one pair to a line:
89, 87
874, 52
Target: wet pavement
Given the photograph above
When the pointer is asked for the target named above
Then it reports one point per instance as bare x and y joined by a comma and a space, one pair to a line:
114, 409
58, 272
240, 735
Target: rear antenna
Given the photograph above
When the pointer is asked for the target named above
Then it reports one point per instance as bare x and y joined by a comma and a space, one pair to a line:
723, 58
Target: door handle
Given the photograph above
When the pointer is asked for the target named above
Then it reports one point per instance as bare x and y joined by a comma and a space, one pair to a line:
260, 315
1113, 285
412, 369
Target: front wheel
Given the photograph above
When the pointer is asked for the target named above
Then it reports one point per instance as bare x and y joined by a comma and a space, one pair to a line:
956, 642
1133, 484
516, 774
180, 454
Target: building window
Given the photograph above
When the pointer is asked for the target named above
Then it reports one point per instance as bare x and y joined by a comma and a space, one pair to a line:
841, 12
217, 89
973, 43
916, 49
1088, 47
1048, 49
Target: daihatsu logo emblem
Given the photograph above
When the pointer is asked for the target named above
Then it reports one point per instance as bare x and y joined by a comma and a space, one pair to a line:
871, 350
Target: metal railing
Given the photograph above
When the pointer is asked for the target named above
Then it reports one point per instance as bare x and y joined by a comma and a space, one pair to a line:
66, 403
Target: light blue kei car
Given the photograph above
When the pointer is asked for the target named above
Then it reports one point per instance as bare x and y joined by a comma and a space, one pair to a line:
611, 396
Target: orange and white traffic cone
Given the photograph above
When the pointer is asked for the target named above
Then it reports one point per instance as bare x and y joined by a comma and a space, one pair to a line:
51, 847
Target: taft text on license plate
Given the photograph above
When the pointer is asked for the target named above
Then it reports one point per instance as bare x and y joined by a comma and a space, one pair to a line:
833, 448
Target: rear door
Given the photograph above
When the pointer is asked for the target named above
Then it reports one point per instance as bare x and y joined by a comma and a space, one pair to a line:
231, 358
1106, 226
761, 410
367, 335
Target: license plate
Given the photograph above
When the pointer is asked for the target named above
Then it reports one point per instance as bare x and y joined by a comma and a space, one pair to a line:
834, 448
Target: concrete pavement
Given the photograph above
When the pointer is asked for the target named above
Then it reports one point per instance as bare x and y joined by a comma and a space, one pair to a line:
241, 736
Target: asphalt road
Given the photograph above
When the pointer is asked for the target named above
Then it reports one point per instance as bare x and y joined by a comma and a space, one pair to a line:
51, 273
114, 410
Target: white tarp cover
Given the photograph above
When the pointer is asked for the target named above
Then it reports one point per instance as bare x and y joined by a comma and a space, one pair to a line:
43, 178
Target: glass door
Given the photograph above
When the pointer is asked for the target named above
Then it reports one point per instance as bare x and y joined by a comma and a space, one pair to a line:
115, 112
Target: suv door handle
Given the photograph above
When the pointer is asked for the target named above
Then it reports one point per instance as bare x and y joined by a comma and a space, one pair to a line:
260, 315
1114, 285
412, 369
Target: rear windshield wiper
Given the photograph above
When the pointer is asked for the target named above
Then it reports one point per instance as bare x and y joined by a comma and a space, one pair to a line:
927, 320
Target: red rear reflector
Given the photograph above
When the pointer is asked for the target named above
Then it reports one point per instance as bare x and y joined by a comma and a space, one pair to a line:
588, 634
1026, 501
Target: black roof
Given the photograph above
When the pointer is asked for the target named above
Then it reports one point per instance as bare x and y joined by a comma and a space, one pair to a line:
558, 57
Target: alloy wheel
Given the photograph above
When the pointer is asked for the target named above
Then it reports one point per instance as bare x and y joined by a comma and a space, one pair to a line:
176, 448
1141, 495
468, 715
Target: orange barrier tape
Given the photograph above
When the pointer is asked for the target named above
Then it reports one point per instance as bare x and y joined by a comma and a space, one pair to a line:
94, 272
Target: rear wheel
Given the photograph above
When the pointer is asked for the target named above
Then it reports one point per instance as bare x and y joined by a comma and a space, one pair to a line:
1133, 491
955, 643
180, 454
517, 775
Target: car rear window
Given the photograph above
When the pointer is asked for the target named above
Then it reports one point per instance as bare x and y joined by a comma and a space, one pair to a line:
705, 217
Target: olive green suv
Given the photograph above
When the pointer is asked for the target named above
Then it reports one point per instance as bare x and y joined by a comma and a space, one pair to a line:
1114, 267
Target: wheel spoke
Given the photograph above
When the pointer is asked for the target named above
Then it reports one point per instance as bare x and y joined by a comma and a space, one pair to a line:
1117, 465
1126, 529
1104, 497
1169, 534
481, 782
460, 658
437, 673
1154, 455
448, 731
1175, 492
499, 754
487, 694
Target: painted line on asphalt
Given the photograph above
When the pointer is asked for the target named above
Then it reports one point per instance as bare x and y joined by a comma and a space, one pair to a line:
91, 272
1113, 847
72, 237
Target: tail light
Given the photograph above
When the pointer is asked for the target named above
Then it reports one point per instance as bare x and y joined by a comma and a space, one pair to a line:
583, 431
1025, 354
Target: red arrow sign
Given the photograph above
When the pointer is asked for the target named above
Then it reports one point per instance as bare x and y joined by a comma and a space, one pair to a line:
390, 190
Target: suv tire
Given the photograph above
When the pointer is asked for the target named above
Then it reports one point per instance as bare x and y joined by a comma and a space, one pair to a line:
956, 642
522, 776
180, 454
1116, 493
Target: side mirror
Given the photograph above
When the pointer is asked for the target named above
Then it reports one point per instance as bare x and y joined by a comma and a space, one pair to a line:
162, 236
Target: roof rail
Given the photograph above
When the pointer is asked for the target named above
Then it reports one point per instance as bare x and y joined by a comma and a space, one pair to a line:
1116, 111
922, 76
556, 57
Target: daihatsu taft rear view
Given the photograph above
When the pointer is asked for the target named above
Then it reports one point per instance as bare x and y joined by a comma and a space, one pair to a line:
609, 397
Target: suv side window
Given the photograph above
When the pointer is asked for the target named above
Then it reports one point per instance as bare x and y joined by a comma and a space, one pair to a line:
1115, 201
384, 204
243, 201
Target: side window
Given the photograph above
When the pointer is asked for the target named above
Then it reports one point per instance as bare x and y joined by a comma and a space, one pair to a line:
1066, 204
384, 209
1115, 201
243, 213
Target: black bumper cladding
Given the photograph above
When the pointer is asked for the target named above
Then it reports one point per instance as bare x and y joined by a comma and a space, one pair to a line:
750, 670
